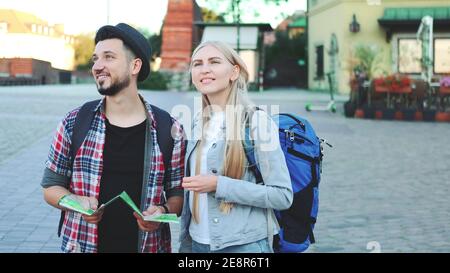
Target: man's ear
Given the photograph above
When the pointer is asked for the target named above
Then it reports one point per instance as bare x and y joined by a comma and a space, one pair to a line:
235, 74
137, 65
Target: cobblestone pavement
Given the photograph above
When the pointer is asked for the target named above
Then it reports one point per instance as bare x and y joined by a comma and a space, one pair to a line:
385, 184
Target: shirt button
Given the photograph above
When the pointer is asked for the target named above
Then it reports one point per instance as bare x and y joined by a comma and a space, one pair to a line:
214, 171
216, 220
214, 145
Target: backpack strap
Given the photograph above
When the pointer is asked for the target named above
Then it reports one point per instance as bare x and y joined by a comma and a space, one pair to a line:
81, 126
80, 129
164, 137
249, 148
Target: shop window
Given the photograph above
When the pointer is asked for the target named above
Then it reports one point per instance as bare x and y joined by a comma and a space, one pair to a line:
442, 55
409, 56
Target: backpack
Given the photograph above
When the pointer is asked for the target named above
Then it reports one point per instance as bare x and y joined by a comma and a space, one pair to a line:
82, 125
303, 152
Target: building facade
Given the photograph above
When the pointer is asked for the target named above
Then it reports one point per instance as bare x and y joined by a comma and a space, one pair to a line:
337, 27
23, 35
250, 47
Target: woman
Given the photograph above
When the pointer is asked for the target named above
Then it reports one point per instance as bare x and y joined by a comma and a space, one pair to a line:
225, 210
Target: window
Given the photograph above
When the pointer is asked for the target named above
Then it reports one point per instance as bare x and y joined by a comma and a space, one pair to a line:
442, 55
409, 56
319, 62
33, 28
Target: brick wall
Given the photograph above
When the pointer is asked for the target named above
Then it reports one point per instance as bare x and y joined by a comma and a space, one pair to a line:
21, 67
177, 36
29, 71
4, 67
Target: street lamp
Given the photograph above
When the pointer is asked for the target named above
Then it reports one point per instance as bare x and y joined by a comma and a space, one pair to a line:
237, 18
107, 11
354, 25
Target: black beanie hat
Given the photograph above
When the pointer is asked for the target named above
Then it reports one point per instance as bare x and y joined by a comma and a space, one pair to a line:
133, 39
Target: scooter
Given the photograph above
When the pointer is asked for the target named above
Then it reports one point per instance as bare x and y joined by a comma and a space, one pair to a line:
331, 106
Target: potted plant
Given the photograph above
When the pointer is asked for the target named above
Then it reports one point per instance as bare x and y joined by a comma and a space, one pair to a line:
409, 113
393, 83
444, 91
363, 63
399, 84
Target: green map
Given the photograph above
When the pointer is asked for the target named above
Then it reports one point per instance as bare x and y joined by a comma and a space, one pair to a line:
73, 203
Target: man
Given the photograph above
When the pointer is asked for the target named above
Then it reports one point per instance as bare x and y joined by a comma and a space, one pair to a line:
121, 151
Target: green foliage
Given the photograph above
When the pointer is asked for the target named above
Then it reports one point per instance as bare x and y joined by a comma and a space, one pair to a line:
156, 81
233, 10
84, 47
367, 60
210, 16
155, 42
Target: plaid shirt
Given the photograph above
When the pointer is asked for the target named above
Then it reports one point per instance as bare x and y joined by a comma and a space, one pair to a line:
80, 236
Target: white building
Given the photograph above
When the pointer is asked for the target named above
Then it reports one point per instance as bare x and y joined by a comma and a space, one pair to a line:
250, 42
23, 35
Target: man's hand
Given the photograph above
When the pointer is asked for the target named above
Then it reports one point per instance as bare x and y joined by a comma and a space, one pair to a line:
148, 226
90, 203
200, 183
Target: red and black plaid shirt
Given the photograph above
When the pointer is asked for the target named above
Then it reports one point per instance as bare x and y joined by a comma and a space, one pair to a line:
80, 236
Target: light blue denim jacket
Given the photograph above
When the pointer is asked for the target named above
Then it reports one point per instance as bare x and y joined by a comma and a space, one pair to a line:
247, 220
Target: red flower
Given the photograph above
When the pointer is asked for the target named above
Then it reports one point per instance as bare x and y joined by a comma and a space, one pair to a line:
393, 82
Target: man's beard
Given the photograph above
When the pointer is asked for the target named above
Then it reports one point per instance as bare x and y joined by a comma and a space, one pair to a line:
115, 87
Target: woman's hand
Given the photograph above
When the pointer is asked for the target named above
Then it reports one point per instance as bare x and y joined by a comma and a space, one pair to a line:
200, 183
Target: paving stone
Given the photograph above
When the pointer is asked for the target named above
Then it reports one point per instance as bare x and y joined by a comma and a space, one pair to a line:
383, 181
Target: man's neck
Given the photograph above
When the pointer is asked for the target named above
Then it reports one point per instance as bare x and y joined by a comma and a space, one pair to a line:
125, 109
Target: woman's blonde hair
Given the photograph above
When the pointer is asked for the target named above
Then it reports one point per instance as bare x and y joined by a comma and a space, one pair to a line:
236, 117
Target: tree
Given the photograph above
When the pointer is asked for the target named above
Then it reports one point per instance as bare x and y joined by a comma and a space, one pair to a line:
233, 10
210, 16
84, 46
155, 41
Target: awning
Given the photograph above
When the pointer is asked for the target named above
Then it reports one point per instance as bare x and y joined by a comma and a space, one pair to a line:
396, 14
408, 19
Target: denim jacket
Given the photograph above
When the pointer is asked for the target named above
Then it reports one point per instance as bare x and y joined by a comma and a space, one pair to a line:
247, 221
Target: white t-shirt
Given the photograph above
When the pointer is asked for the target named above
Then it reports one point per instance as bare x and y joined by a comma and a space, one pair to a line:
200, 232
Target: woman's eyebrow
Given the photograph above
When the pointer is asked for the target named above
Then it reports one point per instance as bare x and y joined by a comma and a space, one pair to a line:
209, 59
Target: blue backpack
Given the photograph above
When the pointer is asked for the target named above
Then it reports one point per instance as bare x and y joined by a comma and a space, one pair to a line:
303, 152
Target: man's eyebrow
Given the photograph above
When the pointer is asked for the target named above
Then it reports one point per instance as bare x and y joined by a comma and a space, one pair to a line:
105, 52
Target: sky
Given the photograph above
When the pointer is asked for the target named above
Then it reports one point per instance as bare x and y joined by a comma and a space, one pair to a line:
82, 16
